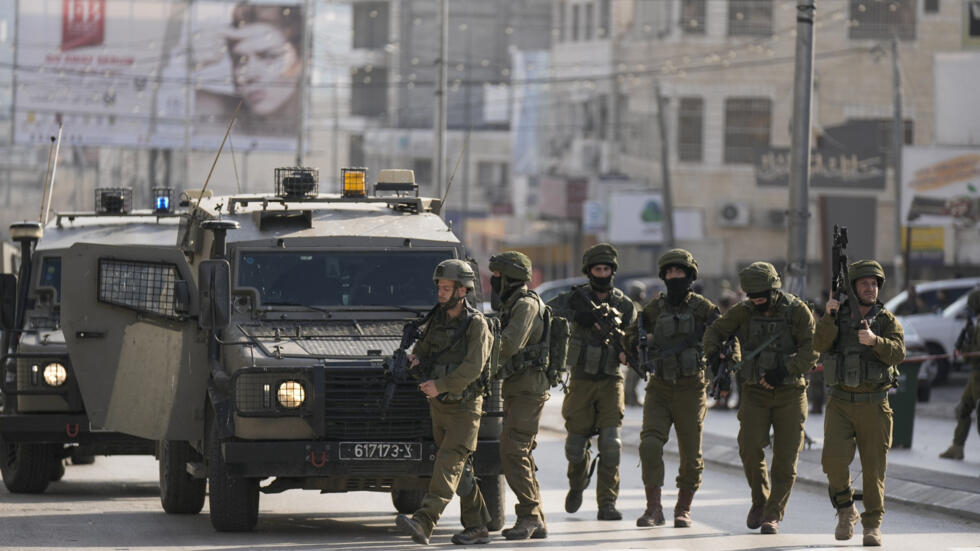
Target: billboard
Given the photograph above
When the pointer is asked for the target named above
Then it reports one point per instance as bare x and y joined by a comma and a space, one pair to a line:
117, 72
638, 218
940, 185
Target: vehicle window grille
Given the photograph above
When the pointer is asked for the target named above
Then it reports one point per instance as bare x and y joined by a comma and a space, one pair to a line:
142, 286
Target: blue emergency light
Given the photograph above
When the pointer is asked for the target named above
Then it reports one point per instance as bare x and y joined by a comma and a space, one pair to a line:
162, 199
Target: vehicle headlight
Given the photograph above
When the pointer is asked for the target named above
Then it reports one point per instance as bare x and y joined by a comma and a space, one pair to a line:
55, 374
291, 394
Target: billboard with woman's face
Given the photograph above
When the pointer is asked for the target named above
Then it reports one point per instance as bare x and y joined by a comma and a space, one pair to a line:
117, 72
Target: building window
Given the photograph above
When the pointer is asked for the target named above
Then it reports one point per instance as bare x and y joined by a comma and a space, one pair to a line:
562, 34
491, 177
589, 20
369, 92
370, 25
605, 18
882, 20
750, 17
747, 124
931, 6
885, 133
693, 14
575, 21
690, 130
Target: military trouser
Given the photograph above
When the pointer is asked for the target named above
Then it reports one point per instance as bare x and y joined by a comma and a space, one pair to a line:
867, 427
682, 404
522, 416
968, 403
455, 428
590, 408
784, 410
632, 380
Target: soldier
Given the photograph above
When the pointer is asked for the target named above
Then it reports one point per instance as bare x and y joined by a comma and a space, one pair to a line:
968, 342
775, 330
594, 404
862, 343
451, 355
675, 394
523, 360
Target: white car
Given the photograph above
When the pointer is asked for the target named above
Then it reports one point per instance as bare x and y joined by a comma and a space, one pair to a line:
944, 317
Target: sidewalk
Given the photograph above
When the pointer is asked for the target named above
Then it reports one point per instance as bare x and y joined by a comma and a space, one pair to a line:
916, 476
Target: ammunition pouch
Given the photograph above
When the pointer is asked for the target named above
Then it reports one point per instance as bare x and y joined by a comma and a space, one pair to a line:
853, 368
474, 389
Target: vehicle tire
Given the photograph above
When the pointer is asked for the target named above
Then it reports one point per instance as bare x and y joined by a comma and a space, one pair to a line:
407, 502
180, 493
942, 364
57, 470
494, 489
923, 393
234, 500
82, 459
27, 468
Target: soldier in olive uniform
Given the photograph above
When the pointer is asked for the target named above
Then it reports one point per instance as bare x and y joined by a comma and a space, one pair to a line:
523, 360
967, 343
595, 401
775, 330
452, 354
862, 343
675, 394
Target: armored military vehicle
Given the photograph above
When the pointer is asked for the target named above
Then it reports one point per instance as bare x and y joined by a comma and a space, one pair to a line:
44, 419
252, 340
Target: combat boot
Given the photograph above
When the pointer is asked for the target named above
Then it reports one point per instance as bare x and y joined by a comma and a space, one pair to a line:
954, 452
654, 514
573, 500
472, 536
412, 527
872, 537
608, 512
682, 510
526, 528
754, 519
770, 527
847, 517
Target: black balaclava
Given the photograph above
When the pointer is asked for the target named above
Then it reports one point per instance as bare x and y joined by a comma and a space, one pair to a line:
495, 301
678, 287
502, 288
600, 284
762, 294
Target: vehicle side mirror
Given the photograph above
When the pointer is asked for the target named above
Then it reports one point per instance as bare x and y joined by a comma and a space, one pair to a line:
214, 288
8, 301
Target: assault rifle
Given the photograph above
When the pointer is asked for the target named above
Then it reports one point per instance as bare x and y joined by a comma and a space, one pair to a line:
721, 383
641, 339
838, 263
398, 369
965, 338
610, 322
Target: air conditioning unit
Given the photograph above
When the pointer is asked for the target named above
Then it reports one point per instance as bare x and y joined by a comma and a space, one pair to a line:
733, 214
774, 218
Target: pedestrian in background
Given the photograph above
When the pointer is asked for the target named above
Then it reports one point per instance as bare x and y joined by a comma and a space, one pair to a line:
862, 345
775, 330
967, 343
637, 291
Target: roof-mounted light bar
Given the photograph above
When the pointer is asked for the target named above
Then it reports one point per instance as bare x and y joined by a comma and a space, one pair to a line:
297, 182
113, 200
396, 180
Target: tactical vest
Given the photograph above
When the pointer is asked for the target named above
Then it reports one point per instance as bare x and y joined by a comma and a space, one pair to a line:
534, 356
677, 343
585, 345
449, 343
777, 331
851, 363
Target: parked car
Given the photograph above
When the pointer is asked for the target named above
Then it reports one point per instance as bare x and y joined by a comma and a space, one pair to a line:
915, 350
551, 289
942, 321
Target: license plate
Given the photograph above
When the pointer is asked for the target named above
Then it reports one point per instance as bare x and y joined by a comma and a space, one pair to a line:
405, 451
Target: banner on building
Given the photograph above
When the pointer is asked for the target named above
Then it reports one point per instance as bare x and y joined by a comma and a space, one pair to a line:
116, 73
940, 185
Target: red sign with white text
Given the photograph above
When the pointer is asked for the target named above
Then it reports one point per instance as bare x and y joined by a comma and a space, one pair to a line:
82, 23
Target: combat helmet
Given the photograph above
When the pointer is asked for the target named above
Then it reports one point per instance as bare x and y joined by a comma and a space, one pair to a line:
678, 257
759, 277
601, 253
512, 264
456, 270
866, 268
973, 300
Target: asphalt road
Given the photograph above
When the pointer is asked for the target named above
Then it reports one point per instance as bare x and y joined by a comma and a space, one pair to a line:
114, 505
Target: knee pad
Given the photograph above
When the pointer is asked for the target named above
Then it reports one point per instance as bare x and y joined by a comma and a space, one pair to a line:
575, 446
467, 481
651, 445
610, 444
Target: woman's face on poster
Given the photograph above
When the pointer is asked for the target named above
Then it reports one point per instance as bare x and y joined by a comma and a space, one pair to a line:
266, 67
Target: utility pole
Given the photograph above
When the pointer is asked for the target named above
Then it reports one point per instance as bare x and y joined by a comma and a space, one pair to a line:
898, 139
665, 170
188, 87
799, 176
439, 147
304, 85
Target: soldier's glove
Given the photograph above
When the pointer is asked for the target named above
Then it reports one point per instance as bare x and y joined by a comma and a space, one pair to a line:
774, 377
585, 319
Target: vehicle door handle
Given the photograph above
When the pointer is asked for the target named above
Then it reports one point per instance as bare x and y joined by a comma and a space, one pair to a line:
90, 334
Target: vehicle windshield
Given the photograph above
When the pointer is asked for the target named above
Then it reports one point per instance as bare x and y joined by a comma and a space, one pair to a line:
51, 274
341, 278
